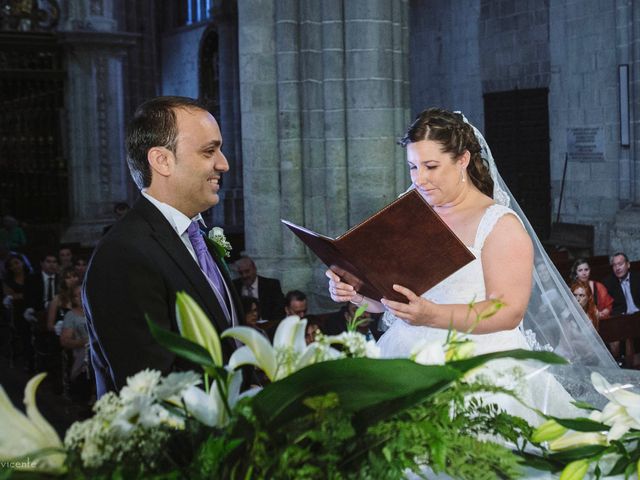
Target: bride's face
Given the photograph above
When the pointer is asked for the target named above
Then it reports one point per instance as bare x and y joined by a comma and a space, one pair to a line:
435, 174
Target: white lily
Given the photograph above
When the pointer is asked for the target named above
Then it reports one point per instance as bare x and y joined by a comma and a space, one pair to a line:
578, 439
209, 408
194, 325
623, 410
288, 354
24, 435
428, 352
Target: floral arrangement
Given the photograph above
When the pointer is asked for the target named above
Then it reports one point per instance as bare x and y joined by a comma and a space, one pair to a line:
331, 409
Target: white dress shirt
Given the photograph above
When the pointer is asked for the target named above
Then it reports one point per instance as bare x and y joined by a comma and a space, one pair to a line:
254, 289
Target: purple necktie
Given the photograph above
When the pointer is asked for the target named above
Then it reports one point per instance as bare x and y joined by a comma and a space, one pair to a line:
207, 264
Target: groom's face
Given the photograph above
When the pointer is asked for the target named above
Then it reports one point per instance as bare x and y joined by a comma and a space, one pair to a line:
199, 162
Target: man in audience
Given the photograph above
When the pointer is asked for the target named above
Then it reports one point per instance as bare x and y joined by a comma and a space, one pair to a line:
39, 289
623, 285
295, 303
267, 290
65, 257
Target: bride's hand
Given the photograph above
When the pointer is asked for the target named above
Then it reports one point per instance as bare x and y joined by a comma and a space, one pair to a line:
417, 312
339, 290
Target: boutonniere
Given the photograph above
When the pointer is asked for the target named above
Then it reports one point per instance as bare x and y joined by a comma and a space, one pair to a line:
220, 242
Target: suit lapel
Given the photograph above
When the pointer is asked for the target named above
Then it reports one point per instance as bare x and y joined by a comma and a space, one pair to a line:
171, 243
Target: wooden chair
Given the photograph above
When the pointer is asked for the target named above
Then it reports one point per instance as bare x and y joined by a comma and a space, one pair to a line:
625, 329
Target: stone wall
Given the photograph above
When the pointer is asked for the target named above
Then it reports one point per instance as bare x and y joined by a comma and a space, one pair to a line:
324, 96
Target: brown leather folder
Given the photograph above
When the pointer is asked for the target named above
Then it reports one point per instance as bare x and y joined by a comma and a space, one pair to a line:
405, 243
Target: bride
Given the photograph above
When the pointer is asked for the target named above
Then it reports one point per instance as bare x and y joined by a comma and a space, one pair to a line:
452, 168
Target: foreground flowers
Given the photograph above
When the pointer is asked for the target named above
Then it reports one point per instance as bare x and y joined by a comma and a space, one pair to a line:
28, 442
326, 413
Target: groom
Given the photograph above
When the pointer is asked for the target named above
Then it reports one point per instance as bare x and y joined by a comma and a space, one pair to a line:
157, 248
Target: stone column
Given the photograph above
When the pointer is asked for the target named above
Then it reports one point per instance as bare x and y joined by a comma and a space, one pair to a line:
94, 102
259, 111
324, 98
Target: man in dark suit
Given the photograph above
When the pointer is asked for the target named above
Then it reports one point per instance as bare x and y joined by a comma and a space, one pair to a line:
157, 248
266, 290
623, 285
39, 289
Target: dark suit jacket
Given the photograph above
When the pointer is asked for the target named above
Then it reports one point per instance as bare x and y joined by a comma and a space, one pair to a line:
271, 297
615, 290
136, 270
34, 291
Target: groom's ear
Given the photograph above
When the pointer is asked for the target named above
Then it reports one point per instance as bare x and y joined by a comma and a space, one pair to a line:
161, 160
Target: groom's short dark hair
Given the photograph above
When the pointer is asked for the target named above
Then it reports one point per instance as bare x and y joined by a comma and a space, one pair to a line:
154, 125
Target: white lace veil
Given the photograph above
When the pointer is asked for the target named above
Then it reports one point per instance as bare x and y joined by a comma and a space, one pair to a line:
554, 321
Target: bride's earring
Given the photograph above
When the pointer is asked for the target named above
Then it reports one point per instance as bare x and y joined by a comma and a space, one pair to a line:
462, 179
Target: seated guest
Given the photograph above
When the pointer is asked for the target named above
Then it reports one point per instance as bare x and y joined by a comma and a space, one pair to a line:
266, 290
80, 264
251, 309
583, 295
14, 329
623, 285
61, 303
311, 331
65, 257
337, 322
295, 303
39, 290
603, 301
75, 337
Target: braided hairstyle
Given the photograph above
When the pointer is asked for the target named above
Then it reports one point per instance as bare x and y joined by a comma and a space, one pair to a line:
455, 136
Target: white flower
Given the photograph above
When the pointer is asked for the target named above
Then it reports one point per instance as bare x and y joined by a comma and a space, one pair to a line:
288, 354
22, 435
142, 383
216, 235
428, 352
173, 385
209, 408
128, 417
623, 410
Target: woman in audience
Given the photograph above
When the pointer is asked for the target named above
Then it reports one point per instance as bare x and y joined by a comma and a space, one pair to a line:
251, 309
61, 303
13, 301
584, 296
601, 298
74, 336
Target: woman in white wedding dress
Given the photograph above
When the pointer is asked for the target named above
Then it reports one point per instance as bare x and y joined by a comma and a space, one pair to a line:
448, 168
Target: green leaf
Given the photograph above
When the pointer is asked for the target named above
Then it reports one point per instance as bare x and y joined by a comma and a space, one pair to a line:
582, 424
181, 346
368, 387
620, 466
584, 405
586, 451
473, 362
539, 463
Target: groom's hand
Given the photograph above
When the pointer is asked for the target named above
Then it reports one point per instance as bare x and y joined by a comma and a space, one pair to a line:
417, 311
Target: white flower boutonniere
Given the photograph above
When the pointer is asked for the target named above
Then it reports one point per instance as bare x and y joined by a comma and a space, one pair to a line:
216, 235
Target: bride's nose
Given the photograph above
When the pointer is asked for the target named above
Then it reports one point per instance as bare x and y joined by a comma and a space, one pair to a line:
422, 177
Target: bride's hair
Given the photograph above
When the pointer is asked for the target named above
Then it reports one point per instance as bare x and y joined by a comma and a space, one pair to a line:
455, 135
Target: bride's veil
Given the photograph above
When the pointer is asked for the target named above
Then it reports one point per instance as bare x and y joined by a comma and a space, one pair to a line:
554, 321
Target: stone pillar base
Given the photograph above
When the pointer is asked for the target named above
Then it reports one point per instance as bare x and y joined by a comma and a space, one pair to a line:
85, 232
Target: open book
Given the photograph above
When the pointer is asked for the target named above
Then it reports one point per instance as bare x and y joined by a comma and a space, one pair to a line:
405, 243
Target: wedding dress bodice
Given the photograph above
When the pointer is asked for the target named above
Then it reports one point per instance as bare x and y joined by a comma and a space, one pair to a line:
462, 287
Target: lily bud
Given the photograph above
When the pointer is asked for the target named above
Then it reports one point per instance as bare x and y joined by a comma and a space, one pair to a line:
549, 430
575, 470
